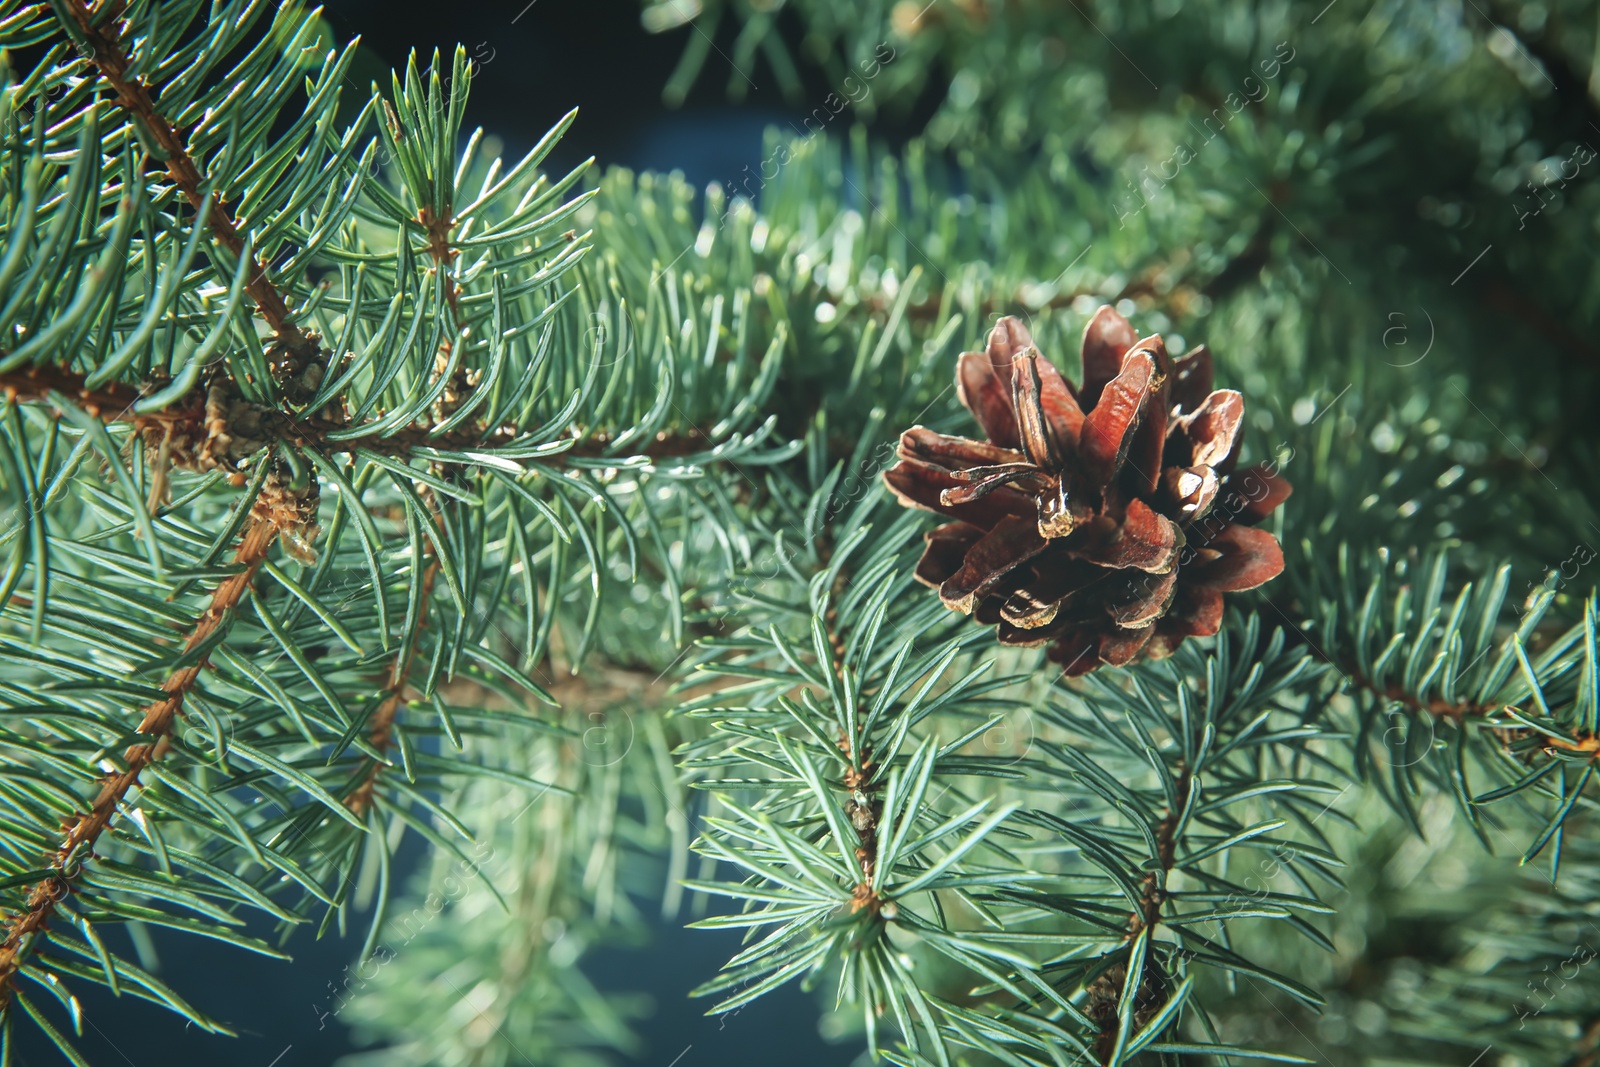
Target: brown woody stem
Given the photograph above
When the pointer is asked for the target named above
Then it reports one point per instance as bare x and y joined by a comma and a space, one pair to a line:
381, 735
106, 53
98, 30
1460, 711
115, 402
864, 817
78, 844
1152, 894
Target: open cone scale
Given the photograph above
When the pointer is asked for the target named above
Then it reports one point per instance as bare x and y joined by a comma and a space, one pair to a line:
1104, 520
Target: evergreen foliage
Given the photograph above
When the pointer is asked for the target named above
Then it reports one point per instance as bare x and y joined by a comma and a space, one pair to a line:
359, 484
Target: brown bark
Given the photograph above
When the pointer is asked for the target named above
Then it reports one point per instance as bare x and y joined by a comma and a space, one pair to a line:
187, 420
107, 55
1150, 990
381, 733
77, 845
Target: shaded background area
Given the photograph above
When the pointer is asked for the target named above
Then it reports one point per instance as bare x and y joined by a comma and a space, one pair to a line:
536, 61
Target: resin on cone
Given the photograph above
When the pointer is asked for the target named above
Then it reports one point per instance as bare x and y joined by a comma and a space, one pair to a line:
1105, 521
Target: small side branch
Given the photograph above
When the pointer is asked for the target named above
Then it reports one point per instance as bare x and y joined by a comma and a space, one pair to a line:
22, 931
188, 420
106, 53
864, 805
1462, 711
1151, 990
381, 733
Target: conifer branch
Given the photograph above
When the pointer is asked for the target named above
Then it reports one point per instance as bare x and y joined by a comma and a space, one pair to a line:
1246, 264
270, 515
203, 423
929, 307
1435, 706
1459, 711
99, 32
208, 423
381, 735
864, 806
1152, 992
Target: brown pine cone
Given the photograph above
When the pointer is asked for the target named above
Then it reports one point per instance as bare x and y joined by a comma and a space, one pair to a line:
1105, 521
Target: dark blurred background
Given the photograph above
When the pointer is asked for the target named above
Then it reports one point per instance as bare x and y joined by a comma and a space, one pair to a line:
536, 61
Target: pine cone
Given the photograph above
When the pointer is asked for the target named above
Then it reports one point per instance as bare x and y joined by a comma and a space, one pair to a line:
1105, 521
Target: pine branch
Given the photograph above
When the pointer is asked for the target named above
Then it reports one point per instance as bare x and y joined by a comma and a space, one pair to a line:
99, 32
1438, 707
381, 735
1204, 722
932, 306
219, 429
863, 803
1417, 650
554, 889
1151, 284
1151, 985
272, 513
829, 684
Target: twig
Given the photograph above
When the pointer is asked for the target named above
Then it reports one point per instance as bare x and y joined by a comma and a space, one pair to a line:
105, 47
188, 421
78, 844
1458, 712
1150, 991
864, 817
381, 735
